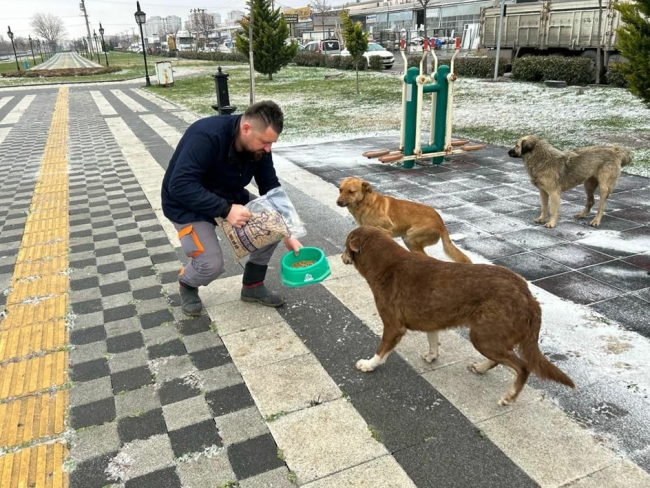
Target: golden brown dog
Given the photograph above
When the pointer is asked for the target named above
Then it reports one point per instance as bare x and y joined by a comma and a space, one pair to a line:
417, 224
417, 292
553, 171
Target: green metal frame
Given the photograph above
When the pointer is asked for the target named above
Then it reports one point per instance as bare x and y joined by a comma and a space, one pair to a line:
439, 89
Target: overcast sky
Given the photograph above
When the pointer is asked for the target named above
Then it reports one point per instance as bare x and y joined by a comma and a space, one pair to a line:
115, 15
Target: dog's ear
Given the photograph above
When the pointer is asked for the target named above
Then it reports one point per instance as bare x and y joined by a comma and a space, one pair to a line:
366, 187
527, 145
354, 243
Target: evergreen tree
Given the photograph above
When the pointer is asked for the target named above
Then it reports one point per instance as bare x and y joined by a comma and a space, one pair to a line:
356, 41
634, 44
270, 32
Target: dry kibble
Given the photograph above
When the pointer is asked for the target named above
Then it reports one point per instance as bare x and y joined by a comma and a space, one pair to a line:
262, 229
302, 264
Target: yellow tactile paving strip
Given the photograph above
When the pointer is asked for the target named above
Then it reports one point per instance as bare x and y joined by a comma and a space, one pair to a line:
33, 335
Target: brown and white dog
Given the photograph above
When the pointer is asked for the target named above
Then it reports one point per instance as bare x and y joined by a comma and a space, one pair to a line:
553, 171
417, 224
417, 292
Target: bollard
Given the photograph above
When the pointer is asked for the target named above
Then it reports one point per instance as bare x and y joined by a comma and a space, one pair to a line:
221, 86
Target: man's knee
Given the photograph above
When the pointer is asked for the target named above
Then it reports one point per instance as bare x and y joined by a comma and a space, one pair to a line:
207, 271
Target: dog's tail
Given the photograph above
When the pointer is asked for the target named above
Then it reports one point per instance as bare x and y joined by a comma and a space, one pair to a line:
530, 353
452, 251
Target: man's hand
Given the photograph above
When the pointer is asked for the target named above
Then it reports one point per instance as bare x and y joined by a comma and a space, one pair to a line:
292, 244
238, 215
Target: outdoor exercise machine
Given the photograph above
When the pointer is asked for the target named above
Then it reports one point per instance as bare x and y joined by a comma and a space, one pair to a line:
415, 83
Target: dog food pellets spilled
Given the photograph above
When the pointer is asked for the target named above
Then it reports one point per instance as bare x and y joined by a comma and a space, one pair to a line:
302, 264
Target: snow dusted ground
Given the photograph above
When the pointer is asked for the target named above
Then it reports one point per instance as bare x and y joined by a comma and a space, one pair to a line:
608, 362
568, 118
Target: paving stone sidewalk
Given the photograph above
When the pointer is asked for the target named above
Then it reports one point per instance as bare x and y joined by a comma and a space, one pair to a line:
157, 399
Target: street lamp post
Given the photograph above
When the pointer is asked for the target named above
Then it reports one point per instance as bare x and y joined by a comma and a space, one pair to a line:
101, 33
38, 43
141, 18
96, 46
31, 46
11, 36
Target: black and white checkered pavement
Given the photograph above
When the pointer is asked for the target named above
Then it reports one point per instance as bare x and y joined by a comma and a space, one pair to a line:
259, 398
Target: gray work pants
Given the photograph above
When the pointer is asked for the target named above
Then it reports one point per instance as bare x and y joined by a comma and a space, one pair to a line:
200, 243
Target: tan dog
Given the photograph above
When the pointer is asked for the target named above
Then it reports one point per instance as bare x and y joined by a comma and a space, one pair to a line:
417, 292
553, 171
417, 224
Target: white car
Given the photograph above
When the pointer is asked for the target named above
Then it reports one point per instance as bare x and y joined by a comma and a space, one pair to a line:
375, 49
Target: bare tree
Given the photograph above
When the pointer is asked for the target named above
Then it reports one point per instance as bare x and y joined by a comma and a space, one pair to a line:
202, 22
49, 27
322, 8
424, 4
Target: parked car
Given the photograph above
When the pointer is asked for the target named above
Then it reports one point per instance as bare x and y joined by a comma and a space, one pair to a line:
375, 49
228, 46
329, 47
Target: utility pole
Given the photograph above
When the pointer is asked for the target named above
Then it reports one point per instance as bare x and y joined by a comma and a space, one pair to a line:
496, 60
90, 43
250, 54
598, 51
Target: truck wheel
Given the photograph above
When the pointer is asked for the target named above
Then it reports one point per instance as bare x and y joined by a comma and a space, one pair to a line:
593, 56
616, 58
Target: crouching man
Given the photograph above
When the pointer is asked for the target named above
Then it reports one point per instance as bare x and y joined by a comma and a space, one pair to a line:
215, 160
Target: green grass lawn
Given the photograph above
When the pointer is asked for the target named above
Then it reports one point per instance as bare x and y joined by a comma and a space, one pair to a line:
318, 109
10, 66
132, 65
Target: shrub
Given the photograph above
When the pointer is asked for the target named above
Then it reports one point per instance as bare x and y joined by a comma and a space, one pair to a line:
217, 57
375, 63
573, 70
634, 45
51, 73
528, 68
477, 67
333, 62
413, 61
615, 76
311, 59
348, 63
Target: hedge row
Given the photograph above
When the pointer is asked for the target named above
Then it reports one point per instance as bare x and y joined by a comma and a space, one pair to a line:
573, 70
51, 73
477, 67
320, 60
218, 56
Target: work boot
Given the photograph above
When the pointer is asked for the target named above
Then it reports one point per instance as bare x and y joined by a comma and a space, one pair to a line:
190, 301
253, 289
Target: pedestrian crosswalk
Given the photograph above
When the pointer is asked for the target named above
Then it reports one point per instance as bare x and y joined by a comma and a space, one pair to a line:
14, 115
297, 388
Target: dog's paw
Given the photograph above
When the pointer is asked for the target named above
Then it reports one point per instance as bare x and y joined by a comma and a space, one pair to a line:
595, 223
506, 400
429, 358
540, 220
550, 225
365, 365
579, 215
476, 368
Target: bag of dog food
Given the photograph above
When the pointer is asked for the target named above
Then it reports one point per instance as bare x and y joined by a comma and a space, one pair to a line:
273, 217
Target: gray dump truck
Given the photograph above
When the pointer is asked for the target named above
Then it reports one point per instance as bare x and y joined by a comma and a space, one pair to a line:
565, 27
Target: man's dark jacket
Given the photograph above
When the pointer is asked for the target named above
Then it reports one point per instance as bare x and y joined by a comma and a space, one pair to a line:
206, 175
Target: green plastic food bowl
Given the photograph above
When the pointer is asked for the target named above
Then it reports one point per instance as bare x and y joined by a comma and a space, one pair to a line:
304, 275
